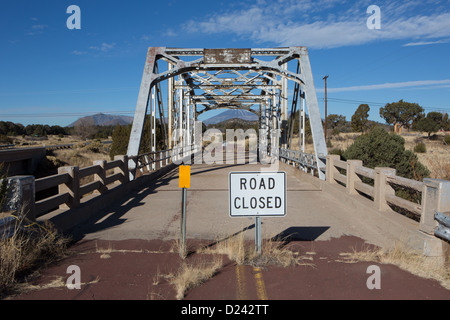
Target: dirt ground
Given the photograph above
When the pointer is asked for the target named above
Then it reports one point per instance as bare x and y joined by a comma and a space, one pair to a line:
140, 270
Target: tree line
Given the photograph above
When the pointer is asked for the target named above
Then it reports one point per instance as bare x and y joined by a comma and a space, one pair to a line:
405, 114
8, 129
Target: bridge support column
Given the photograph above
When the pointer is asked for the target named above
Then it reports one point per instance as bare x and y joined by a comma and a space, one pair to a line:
101, 176
331, 169
72, 187
123, 169
382, 187
435, 197
21, 196
352, 177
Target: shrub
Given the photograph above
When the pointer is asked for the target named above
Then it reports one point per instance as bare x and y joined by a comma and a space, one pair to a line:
329, 144
120, 137
337, 151
94, 147
420, 148
378, 148
5, 139
4, 188
447, 140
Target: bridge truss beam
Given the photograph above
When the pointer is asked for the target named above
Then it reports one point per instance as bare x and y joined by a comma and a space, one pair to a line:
199, 80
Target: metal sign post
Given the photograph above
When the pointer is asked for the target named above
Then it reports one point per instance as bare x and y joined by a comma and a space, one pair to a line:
257, 194
184, 183
258, 235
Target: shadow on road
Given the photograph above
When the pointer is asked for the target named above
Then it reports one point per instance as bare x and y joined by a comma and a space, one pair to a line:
212, 244
116, 210
300, 234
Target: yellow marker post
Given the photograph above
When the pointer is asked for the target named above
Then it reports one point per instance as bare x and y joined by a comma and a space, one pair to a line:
184, 183
185, 177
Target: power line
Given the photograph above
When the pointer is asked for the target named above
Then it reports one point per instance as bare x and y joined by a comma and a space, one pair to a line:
354, 101
350, 101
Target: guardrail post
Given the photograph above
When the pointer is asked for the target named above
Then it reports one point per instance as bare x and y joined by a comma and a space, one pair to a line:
352, 176
435, 197
21, 196
123, 168
72, 186
331, 169
101, 176
382, 187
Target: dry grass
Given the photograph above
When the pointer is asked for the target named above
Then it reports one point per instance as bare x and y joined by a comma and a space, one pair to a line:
439, 167
233, 247
30, 247
192, 275
25, 142
273, 252
57, 283
80, 157
437, 157
403, 257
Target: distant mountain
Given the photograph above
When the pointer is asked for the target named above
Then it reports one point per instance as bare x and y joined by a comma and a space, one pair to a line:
231, 114
101, 119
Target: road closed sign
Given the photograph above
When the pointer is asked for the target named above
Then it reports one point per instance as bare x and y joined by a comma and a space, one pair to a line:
254, 194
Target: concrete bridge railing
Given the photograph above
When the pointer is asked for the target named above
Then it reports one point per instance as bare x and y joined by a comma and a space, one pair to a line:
379, 185
434, 193
72, 186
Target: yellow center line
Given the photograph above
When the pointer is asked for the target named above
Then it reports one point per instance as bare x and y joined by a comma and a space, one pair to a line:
260, 287
240, 277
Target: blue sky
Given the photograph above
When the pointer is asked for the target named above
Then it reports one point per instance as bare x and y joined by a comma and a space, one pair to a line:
52, 75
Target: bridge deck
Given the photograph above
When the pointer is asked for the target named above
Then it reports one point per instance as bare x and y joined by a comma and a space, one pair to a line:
154, 212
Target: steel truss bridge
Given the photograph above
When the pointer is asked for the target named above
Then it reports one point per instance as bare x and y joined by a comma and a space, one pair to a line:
179, 84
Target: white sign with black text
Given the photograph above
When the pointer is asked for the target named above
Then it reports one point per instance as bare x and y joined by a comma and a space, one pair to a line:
254, 194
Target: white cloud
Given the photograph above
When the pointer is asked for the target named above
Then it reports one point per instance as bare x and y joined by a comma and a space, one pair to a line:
39, 26
36, 29
425, 43
78, 53
326, 23
104, 47
170, 33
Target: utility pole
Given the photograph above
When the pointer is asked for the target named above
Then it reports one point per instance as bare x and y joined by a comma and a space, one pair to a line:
326, 100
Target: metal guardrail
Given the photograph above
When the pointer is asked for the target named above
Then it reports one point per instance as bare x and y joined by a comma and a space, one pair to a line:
443, 229
6, 146
304, 159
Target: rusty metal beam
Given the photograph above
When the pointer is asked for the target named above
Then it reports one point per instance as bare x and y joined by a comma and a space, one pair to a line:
232, 78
